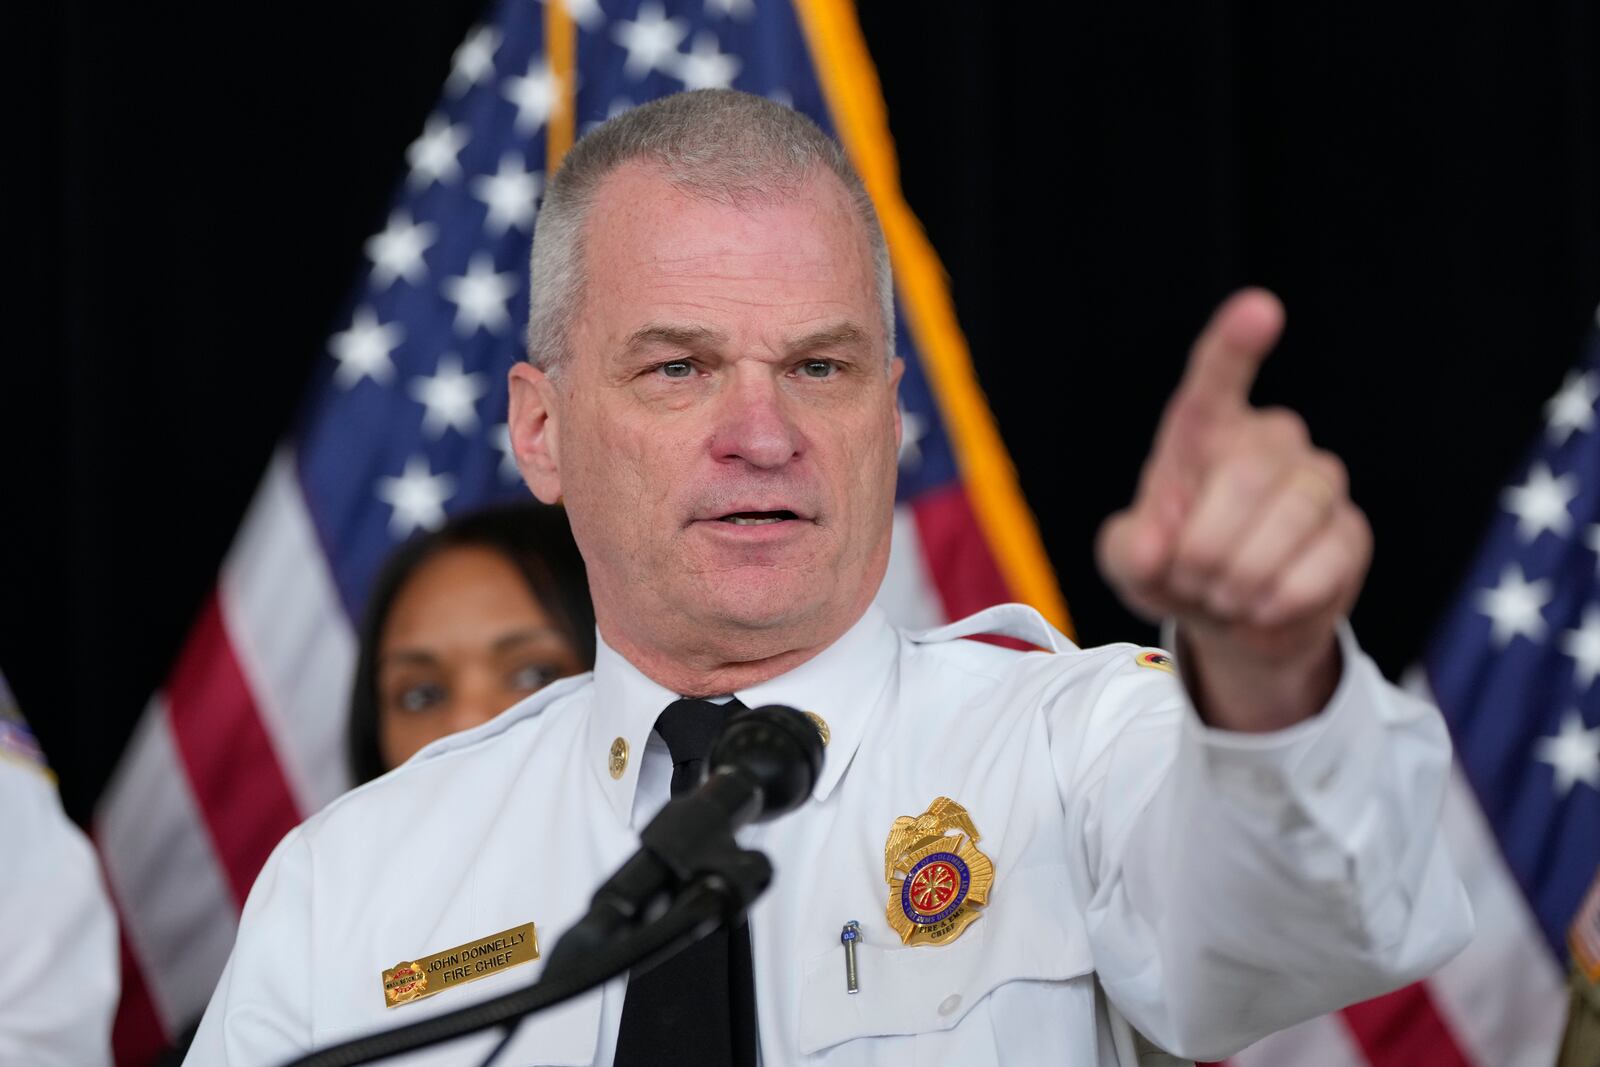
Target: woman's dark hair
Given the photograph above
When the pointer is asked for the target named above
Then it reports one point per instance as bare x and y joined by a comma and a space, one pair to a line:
534, 538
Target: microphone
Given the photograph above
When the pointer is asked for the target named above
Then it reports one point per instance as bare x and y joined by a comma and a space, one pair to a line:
763, 764
777, 750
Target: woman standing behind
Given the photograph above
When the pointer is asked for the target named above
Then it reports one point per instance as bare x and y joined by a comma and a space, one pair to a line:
461, 624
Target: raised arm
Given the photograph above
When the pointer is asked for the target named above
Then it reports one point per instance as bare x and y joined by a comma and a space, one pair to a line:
1260, 837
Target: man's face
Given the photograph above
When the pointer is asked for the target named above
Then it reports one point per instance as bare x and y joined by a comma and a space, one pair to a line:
725, 434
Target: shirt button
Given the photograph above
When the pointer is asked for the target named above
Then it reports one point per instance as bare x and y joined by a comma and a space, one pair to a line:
618, 760
822, 726
949, 1004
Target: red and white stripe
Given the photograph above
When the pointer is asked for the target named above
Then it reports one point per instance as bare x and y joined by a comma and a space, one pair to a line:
243, 741
939, 526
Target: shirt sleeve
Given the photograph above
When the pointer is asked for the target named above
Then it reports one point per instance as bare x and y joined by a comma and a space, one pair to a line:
1240, 883
261, 1011
58, 934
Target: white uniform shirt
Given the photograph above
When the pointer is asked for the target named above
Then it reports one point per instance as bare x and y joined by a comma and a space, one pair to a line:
58, 935
1152, 876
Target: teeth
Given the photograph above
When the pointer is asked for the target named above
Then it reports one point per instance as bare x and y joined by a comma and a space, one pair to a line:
740, 520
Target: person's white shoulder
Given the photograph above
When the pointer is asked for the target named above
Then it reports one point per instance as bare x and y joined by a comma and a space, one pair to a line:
58, 933
517, 726
359, 810
254, 1016
1042, 667
1016, 621
523, 716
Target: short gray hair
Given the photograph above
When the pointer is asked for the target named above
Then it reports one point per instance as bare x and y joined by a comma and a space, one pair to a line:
719, 144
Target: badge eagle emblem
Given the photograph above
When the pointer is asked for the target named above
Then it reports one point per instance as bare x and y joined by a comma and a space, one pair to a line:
938, 880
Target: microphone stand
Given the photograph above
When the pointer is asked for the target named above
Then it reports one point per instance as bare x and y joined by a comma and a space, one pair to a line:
690, 877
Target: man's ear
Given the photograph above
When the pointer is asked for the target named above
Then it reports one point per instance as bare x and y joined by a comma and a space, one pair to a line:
897, 370
532, 426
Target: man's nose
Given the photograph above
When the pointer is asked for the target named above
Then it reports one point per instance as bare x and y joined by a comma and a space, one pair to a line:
754, 422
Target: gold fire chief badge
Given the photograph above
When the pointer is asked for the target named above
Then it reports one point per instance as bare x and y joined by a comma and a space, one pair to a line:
414, 979
938, 880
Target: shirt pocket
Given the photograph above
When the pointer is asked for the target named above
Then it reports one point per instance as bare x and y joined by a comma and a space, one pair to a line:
1031, 930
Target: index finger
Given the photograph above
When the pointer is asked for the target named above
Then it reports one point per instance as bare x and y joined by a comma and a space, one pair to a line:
1229, 352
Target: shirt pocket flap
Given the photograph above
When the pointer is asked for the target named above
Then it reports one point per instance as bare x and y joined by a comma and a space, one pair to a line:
1030, 930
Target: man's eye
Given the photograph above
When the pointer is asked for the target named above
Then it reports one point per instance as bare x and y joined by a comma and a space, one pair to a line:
529, 677
420, 697
818, 368
678, 368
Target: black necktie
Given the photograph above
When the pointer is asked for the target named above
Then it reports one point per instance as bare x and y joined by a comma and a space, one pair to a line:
697, 1009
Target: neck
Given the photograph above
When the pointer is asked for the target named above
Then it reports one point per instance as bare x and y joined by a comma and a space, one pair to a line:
716, 668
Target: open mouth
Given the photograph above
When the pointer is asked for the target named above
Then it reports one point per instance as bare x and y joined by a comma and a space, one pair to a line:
757, 518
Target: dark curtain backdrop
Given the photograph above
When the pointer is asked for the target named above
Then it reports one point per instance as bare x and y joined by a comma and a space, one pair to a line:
1423, 188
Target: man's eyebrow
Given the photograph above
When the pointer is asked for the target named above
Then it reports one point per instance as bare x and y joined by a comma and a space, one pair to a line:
656, 333
844, 335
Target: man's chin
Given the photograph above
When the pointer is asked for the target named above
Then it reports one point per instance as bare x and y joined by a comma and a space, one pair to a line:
765, 615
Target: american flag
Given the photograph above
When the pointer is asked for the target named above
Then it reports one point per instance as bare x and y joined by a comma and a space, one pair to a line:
404, 425
1514, 667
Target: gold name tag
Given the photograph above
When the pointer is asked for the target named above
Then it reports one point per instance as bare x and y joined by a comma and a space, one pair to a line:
414, 979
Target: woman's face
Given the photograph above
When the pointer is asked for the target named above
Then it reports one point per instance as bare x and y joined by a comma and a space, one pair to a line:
465, 639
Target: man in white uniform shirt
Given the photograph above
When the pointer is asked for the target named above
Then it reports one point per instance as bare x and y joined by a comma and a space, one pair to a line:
1063, 856
58, 934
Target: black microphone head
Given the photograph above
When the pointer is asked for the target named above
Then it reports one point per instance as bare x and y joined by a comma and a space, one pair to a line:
778, 748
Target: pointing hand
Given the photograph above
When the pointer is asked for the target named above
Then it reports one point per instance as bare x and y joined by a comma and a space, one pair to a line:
1243, 532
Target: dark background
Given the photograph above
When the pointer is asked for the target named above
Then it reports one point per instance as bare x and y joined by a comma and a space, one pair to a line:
1422, 188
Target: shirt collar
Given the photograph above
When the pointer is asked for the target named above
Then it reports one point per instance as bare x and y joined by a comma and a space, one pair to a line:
842, 685
626, 705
